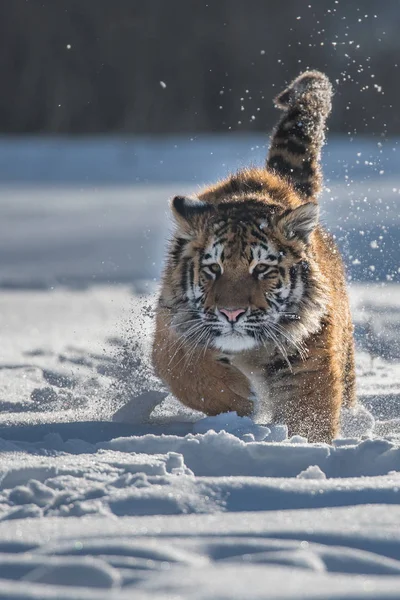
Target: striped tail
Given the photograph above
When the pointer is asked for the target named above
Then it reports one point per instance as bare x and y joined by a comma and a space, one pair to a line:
297, 140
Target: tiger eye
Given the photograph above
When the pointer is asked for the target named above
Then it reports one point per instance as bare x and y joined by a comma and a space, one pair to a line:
215, 268
260, 268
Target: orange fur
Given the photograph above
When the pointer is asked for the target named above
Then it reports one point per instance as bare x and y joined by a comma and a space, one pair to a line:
300, 368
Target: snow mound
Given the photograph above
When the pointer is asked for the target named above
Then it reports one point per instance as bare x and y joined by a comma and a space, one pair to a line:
214, 471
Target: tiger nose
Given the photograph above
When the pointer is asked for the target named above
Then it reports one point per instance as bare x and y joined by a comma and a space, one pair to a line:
232, 315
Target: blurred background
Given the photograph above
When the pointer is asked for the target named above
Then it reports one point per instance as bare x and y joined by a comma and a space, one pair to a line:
159, 67
107, 109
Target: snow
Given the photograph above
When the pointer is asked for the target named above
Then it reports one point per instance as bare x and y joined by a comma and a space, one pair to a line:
102, 205
109, 488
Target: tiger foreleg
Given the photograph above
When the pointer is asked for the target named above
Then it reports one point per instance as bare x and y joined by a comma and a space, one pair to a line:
308, 400
201, 379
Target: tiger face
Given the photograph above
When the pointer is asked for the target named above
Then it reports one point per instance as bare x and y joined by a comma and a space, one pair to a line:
243, 272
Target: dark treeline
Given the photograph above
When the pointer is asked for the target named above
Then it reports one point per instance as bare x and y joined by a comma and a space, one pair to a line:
85, 66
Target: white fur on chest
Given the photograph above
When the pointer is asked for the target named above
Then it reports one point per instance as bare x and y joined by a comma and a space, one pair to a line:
264, 410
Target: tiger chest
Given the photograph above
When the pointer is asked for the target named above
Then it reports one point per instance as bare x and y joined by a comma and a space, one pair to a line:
252, 368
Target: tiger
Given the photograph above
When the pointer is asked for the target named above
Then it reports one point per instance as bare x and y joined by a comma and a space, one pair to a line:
253, 312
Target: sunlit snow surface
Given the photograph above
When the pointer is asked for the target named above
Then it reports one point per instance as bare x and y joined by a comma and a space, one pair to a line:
111, 489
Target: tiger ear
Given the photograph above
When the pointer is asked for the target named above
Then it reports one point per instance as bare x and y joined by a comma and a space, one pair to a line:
185, 210
299, 222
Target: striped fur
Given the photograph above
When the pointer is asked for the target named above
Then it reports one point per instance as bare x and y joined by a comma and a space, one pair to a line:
252, 242
297, 140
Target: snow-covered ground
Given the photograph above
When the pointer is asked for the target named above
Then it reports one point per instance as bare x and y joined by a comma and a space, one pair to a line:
108, 487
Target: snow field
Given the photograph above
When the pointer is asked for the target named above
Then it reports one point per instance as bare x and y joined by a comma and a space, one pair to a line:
101, 493
109, 488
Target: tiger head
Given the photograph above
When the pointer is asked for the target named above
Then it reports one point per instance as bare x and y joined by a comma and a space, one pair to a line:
243, 273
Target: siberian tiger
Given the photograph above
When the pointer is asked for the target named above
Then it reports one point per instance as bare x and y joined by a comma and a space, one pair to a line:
253, 314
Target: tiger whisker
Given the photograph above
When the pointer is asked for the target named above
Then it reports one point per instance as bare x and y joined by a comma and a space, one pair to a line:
299, 347
195, 345
184, 323
195, 340
182, 339
279, 345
